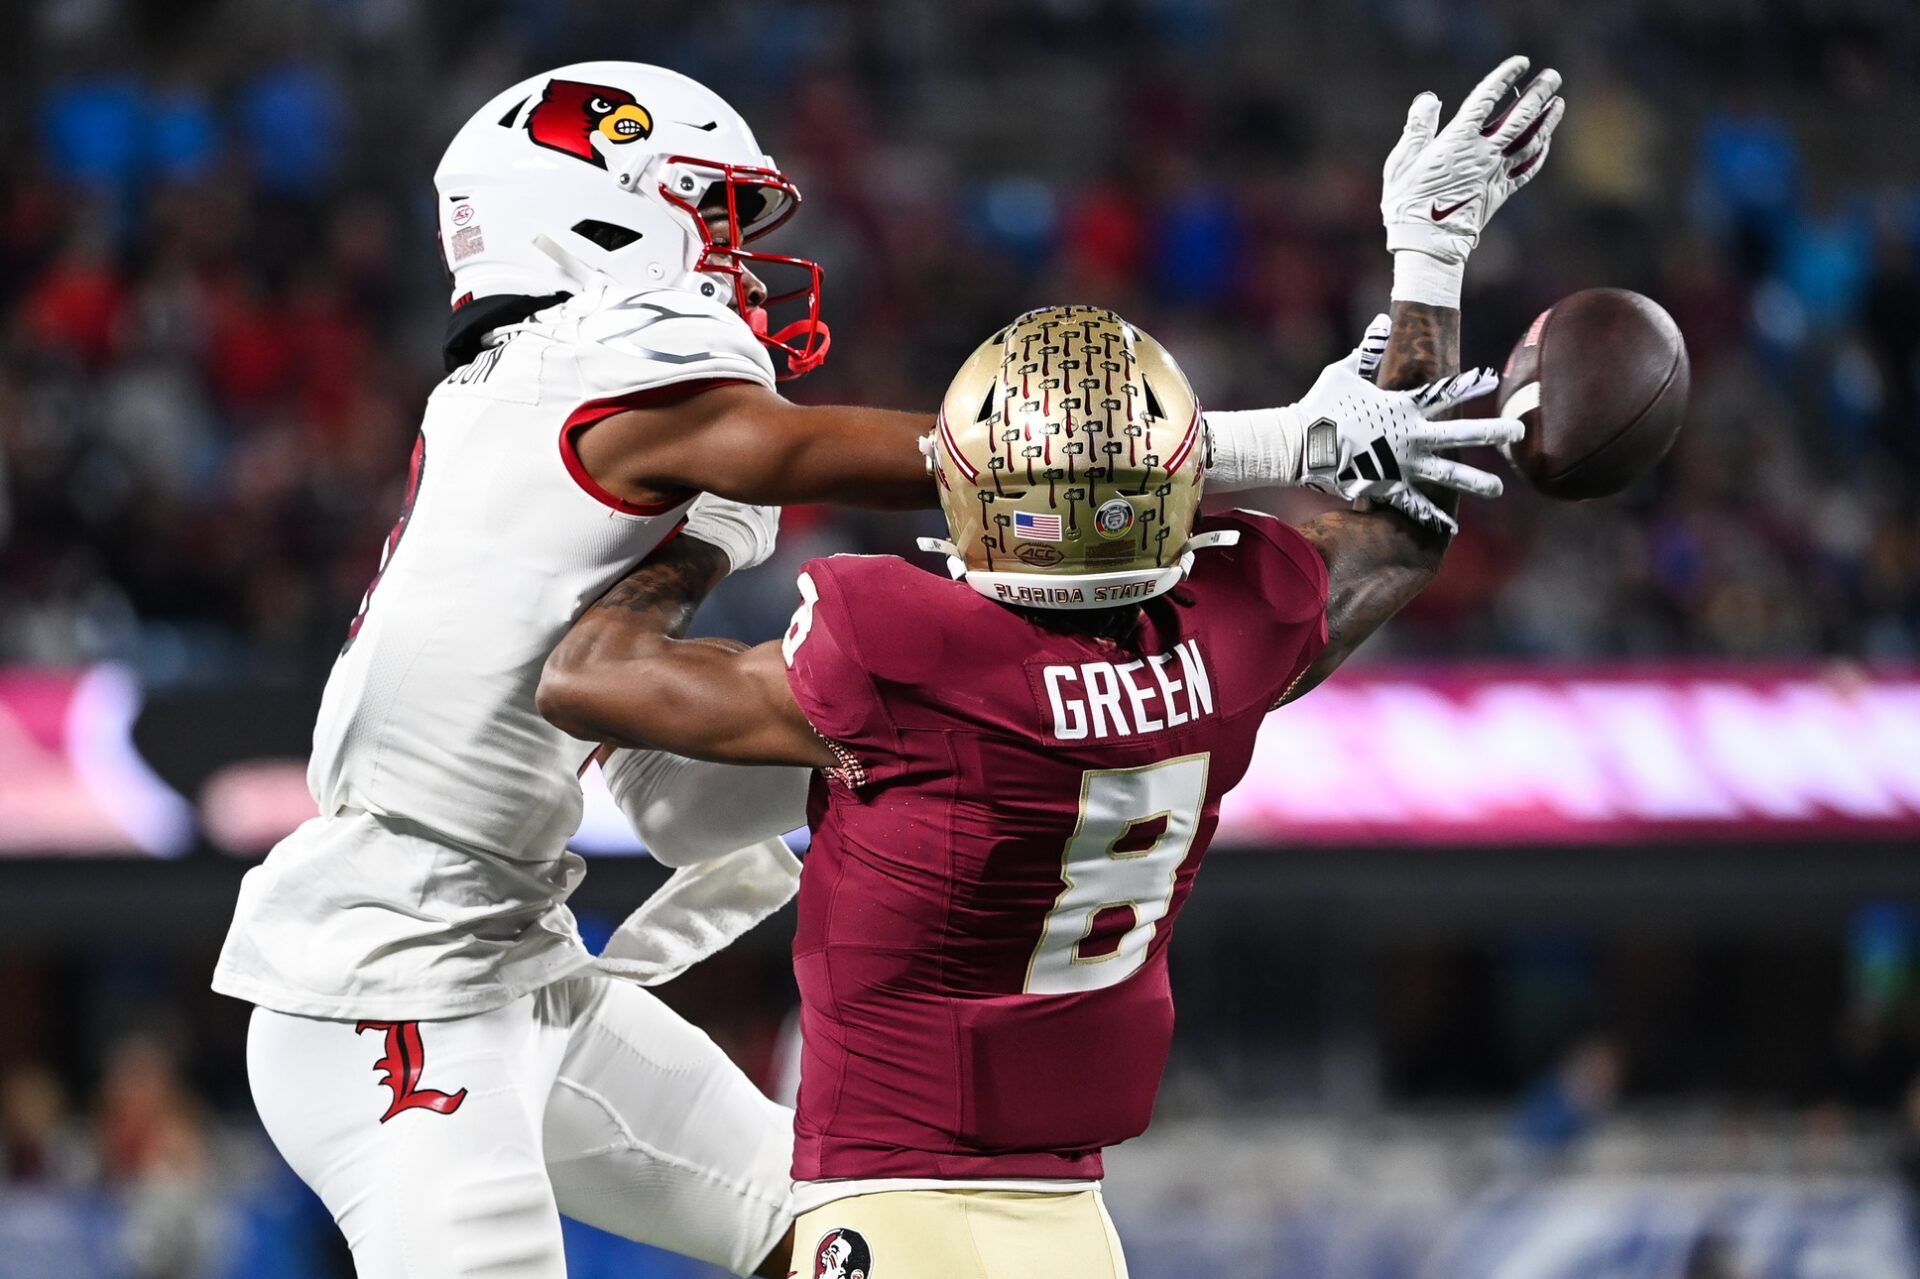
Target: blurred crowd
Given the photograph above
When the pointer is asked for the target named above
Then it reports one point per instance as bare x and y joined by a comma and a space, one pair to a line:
140, 1182
222, 300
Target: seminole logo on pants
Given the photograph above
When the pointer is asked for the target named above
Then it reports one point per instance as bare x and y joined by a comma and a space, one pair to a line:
842, 1254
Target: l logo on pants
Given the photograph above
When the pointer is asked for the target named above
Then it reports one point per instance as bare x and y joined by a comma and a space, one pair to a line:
402, 1065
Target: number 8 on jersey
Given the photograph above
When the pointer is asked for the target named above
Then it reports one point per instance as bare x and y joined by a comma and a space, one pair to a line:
1117, 875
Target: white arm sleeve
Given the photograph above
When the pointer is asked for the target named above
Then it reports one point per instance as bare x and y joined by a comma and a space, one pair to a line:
1254, 448
689, 811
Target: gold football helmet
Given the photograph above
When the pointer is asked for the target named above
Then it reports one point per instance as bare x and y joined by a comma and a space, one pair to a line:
1070, 455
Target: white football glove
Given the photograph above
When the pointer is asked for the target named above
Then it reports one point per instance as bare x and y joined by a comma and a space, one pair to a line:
1442, 186
1361, 441
745, 534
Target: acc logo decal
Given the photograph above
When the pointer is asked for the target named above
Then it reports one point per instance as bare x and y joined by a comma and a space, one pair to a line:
1114, 518
842, 1254
402, 1065
1038, 554
569, 114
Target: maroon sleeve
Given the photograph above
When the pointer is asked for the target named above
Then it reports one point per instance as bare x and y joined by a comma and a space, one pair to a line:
830, 681
1282, 570
1284, 559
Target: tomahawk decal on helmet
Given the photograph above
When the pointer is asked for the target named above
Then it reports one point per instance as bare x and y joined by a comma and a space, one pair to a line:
570, 114
1068, 467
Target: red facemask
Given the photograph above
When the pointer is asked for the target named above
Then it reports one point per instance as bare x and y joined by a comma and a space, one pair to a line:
748, 190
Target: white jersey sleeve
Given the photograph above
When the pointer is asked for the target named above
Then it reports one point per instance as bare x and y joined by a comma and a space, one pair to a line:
662, 337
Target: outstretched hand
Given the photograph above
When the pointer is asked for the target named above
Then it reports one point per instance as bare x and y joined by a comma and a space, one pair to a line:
1443, 185
1362, 441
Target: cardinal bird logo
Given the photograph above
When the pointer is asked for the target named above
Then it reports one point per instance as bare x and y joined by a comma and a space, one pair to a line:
569, 113
402, 1065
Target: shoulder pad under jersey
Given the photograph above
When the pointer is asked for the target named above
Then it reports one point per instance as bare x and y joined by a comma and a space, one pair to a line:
905, 619
1277, 555
663, 336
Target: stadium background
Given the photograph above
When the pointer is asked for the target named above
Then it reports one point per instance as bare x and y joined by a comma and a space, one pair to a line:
1434, 1022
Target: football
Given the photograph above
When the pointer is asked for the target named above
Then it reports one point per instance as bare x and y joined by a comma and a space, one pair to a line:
1600, 380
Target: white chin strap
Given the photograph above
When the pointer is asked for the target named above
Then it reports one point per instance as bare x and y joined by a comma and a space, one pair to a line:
1077, 590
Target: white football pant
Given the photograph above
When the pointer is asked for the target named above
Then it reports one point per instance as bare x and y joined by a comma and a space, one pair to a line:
449, 1149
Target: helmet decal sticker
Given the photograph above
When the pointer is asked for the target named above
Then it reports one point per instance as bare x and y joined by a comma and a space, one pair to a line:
569, 115
1114, 518
1038, 556
467, 237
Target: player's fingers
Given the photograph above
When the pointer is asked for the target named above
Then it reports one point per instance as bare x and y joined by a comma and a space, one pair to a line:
1422, 119
1417, 506
1454, 475
1527, 132
1524, 168
1527, 161
1436, 397
1555, 111
1373, 345
1468, 433
1538, 130
1479, 107
1528, 112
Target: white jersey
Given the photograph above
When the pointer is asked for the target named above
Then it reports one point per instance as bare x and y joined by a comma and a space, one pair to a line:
434, 880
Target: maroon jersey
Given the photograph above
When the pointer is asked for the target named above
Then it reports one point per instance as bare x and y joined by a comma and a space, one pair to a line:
997, 865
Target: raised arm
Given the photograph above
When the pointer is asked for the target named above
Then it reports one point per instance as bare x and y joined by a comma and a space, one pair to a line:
619, 677
745, 442
1440, 188
1379, 559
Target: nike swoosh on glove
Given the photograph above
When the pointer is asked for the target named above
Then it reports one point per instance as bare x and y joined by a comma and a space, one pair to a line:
1442, 186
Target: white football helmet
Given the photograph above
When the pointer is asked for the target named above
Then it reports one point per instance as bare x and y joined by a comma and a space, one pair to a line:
621, 169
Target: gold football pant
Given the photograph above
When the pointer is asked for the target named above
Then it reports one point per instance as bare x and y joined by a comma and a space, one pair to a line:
959, 1234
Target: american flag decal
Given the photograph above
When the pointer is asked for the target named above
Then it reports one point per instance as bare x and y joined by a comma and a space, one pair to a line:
1036, 528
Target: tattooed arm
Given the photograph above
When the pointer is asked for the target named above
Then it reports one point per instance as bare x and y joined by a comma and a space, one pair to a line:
1377, 560
623, 676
